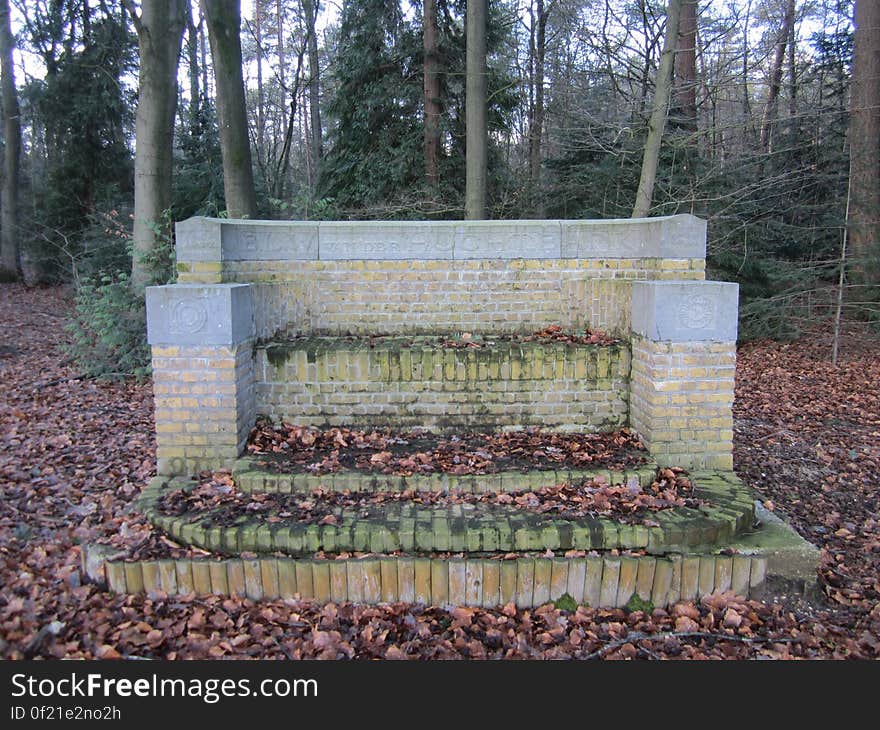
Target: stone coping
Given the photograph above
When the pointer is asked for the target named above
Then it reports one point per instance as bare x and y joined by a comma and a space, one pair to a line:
468, 528
597, 581
212, 239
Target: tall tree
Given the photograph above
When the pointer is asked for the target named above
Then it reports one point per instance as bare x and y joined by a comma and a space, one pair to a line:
432, 93
657, 122
376, 134
782, 41
224, 34
316, 142
538, 43
10, 260
864, 139
192, 56
159, 28
685, 95
257, 31
475, 112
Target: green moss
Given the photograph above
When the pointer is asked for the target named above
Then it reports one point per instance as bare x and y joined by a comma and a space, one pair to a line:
637, 603
278, 355
566, 602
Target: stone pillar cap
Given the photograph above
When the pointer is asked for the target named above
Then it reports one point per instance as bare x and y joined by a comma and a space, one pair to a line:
685, 311
199, 314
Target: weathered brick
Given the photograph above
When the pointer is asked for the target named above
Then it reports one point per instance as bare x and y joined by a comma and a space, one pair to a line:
115, 572
201, 577
706, 575
406, 579
422, 584
457, 582
610, 583
304, 581
134, 577
473, 582
286, 578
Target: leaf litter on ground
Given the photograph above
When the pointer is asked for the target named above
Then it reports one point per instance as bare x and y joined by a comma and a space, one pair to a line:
74, 454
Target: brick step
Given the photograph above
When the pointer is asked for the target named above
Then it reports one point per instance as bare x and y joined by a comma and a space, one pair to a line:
472, 528
416, 381
251, 476
598, 581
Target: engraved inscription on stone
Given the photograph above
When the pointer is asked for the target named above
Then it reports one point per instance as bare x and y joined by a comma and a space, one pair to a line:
697, 311
501, 240
608, 239
270, 241
402, 240
188, 316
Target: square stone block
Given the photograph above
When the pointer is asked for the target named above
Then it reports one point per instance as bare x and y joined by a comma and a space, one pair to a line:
685, 311
197, 239
199, 314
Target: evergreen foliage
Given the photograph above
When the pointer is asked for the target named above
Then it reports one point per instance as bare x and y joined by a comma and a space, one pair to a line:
776, 214
84, 120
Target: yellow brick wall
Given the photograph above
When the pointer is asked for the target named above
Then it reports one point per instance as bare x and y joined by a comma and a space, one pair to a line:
322, 383
681, 400
424, 296
204, 401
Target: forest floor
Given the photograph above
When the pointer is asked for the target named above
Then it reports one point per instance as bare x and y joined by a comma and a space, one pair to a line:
75, 453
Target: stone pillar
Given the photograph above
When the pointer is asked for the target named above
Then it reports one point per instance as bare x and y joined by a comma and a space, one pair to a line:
198, 248
683, 362
202, 339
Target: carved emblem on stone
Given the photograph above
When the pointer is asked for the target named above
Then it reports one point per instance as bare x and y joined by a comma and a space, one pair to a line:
188, 316
697, 311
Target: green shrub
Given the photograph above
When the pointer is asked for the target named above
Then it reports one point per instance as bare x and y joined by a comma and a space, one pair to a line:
109, 325
108, 329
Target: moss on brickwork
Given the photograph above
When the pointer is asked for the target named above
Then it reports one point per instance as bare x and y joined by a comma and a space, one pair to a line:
727, 509
406, 382
250, 477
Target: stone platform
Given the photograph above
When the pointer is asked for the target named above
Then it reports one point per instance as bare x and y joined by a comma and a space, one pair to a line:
346, 324
467, 555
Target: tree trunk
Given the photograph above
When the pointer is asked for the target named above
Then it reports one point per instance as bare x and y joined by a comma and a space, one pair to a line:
310, 8
282, 71
792, 69
657, 123
10, 258
432, 94
160, 35
261, 142
203, 53
685, 98
224, 35
748, 125
864, 134
536, 130
776, 75
192, 56
475, 112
